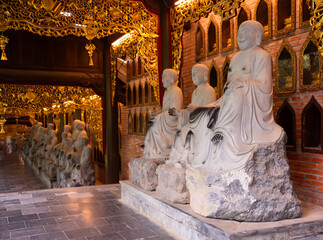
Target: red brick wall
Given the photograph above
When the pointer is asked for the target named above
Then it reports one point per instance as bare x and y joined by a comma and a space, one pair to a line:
306, 168
130, 146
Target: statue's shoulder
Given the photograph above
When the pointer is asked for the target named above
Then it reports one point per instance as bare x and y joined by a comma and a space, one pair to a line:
260, 52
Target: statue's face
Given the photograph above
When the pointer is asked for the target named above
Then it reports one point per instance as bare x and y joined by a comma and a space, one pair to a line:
247, 37
167, 79
198, 76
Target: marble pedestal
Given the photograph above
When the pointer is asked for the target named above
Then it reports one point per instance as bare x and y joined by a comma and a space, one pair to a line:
185, 224
143, 172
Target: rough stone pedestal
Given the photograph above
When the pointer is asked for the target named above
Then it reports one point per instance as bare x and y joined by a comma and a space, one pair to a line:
172, 183
143, 172
260, 191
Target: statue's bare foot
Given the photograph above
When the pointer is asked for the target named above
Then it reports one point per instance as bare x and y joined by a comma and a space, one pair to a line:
142, 147
217, 138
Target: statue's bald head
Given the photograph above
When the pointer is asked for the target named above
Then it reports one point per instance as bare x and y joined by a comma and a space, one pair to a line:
254, 26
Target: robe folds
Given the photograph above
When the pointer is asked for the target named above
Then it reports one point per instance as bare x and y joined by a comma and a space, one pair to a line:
246, 117
161, 134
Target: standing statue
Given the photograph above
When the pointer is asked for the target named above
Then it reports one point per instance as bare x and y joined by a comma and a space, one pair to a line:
246, 173
162, 127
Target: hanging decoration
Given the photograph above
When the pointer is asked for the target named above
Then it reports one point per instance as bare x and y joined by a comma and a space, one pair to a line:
316, 21
90, 19
186, 12
90, 49
3, 42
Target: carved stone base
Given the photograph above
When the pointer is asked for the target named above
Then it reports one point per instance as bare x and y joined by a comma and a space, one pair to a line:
143, 172
172, 184
260, 191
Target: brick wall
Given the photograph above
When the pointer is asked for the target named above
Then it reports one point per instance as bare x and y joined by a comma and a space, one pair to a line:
306, 168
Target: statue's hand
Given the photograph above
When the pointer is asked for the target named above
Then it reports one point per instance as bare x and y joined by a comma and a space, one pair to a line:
191, 107
174, 112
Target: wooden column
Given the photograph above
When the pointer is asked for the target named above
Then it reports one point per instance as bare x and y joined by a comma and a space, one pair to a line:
112, 157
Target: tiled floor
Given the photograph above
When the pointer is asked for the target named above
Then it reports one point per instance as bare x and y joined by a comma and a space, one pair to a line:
94, 212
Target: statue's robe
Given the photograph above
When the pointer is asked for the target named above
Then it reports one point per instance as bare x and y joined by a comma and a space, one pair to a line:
246, 117
163, 127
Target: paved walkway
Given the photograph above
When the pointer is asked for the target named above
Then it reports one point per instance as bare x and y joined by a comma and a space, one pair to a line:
87, 213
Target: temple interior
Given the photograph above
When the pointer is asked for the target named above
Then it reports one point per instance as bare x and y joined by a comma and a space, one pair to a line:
81, 83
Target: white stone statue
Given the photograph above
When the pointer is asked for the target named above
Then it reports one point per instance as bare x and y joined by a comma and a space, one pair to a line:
184, 144
245, 175
83, 173
162, 127
246, 117
73, 156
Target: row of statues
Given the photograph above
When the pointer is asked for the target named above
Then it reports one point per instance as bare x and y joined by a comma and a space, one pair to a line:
219, 155
64, 164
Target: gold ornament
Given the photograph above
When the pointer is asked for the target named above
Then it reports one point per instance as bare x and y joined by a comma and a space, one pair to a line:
316, 21
90, 19
2, 122
3, 42
90, 49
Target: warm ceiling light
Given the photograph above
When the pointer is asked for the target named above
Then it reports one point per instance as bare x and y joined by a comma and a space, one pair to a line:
119, 40
180, 2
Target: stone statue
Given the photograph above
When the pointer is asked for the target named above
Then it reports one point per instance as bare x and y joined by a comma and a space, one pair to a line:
162, 128
245, 175
73, 156
83, 173
246, 117
160, 136
171, 176
48, 164
185, 145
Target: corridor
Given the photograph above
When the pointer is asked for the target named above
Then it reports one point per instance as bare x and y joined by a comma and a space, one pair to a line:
28, 211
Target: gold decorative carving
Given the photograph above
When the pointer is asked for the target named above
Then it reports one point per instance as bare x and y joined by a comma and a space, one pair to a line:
3, 42
316, 21
309, 62
289, 80
90, 19
302, 22
191, 11
90, 49
27, 100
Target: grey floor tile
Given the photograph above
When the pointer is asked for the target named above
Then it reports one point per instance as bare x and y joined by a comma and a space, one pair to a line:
138, 233
113, 228
60, 227
23, 218
50, 236
83, 213
111, 236
27, 232
40, 222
